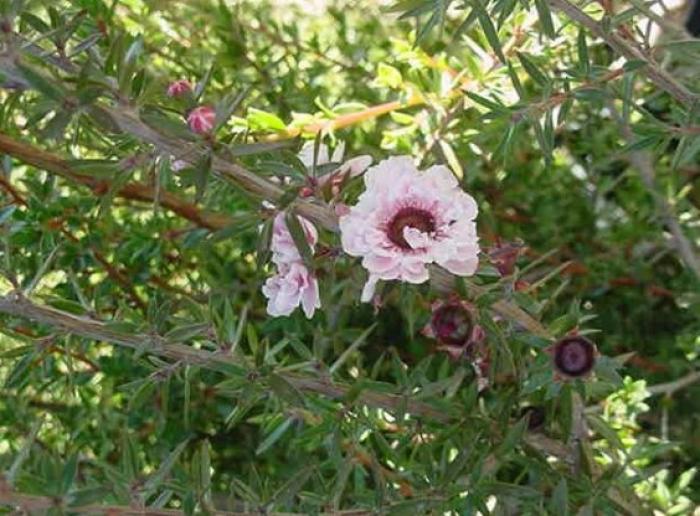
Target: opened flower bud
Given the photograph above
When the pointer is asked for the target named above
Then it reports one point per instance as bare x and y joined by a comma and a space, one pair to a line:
179, 88
573, 356
453, 325
201, 119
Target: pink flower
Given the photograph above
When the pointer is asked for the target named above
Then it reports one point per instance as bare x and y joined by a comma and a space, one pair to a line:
284, 250
293, 285
179, 88
201, 119
407, 219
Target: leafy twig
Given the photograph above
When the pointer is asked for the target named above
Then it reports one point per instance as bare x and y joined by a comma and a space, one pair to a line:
643, 161
660, 77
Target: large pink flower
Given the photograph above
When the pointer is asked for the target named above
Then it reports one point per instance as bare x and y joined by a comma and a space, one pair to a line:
293, 285
407, 219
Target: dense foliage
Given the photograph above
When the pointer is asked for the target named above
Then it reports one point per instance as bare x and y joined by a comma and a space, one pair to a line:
139, 365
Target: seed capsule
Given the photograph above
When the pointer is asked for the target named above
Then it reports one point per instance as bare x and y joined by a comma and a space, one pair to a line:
573, 356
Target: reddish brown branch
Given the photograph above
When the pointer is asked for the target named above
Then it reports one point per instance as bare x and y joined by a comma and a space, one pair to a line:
32, 155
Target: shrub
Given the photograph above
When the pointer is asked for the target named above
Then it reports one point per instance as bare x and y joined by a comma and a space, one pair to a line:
339, 257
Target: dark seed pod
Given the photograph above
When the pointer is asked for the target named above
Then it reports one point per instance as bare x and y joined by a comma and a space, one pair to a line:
573, 356
535, 417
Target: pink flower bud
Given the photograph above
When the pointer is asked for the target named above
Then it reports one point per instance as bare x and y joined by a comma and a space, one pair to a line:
306, 191
179, 88
201, 119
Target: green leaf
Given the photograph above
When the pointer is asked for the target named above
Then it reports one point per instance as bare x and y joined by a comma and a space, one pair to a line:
6, 212
291, 487
128, 63
512, 437
489, 29
262, 120
545, 17
359, 341
388, 76
69, 472
41, 83
23, 454
532, 70
157, 478
274, 436
185, 332
202, 173
634, 64
286, 390
559, 503
263, 249
300, 241
498, 108
582, 47
19, 374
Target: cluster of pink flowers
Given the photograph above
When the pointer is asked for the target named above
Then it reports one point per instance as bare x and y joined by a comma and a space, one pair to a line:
293, 284
406, 220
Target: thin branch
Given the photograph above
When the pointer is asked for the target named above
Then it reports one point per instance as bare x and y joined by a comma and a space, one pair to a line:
660, 77
32, 155
670, 388
40, 504
19, 306
643, 161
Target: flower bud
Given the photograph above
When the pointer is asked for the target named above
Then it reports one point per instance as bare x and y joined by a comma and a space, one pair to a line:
179, 88
573, 356
306, 191
201, 119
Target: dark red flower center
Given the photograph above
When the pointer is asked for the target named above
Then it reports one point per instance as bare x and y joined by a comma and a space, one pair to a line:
574, 356
452, 324
409, 217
